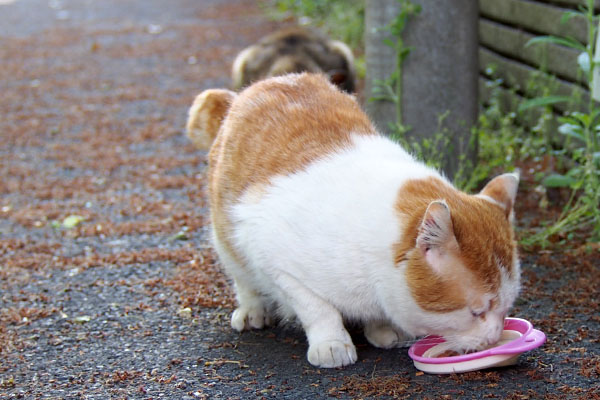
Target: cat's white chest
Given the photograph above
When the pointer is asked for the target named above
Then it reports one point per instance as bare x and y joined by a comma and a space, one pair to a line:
331, 227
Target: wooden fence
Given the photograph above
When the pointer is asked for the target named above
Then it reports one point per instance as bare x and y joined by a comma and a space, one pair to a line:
516, 72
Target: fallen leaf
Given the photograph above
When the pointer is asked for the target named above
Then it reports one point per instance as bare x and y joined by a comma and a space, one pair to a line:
82, 319
185, 312
72, 221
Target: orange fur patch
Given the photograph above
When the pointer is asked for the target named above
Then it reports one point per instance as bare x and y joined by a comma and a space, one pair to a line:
484, 238
277, 127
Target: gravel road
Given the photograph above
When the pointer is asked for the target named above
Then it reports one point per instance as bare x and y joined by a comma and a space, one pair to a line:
108, 285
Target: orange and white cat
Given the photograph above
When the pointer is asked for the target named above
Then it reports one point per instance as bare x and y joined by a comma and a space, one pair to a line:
318, 217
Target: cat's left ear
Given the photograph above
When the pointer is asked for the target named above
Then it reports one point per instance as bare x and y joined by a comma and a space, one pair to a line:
436, 229
436, 236
502, 190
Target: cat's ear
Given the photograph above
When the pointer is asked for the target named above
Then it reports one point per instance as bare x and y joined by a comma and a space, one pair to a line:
436, 229
502, 190
238, 69
436, 235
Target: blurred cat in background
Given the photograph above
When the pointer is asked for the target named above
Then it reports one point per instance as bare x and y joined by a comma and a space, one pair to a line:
295, 50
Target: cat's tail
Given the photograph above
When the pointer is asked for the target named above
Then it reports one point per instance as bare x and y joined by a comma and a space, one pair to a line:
206, 115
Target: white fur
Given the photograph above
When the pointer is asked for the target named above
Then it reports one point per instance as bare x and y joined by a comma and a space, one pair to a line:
319, 243
331, 227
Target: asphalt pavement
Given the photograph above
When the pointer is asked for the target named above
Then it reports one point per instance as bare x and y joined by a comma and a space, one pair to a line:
108, 285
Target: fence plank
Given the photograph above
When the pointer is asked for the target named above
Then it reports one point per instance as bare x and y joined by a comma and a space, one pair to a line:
534, 16
558, 60
574, 3
505, 26
529, 80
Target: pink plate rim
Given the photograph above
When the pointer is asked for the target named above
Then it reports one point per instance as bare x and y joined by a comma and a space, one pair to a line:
530, 339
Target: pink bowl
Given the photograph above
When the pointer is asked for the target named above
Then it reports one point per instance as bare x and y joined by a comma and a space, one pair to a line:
504, 354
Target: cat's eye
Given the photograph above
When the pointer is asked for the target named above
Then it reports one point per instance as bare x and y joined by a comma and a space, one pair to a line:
480, 312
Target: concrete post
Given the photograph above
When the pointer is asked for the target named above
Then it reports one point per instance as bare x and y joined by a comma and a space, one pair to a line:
439, 76
380, 59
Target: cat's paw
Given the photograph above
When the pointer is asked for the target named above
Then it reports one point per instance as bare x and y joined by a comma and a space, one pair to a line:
331, 354
244, 318
384, 336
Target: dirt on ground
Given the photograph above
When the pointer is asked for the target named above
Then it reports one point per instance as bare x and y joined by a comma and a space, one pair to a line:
108, 285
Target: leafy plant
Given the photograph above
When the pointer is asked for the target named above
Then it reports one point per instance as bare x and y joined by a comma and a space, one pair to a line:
502, 139
582, 131
427, 149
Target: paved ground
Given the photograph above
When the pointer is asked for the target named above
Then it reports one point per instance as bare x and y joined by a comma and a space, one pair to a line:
108, 287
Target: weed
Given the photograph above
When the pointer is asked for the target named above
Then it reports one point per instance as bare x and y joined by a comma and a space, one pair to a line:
582, 130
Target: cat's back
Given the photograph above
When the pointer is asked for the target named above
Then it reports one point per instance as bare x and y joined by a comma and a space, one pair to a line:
280, 126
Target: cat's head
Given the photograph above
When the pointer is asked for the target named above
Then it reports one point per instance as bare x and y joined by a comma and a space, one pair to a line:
463, 270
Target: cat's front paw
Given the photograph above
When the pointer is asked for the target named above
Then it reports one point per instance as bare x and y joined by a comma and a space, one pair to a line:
384, 336
244, 318
331, 354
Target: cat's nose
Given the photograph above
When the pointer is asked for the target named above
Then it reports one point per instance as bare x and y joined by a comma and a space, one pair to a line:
493, 339
494, 336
